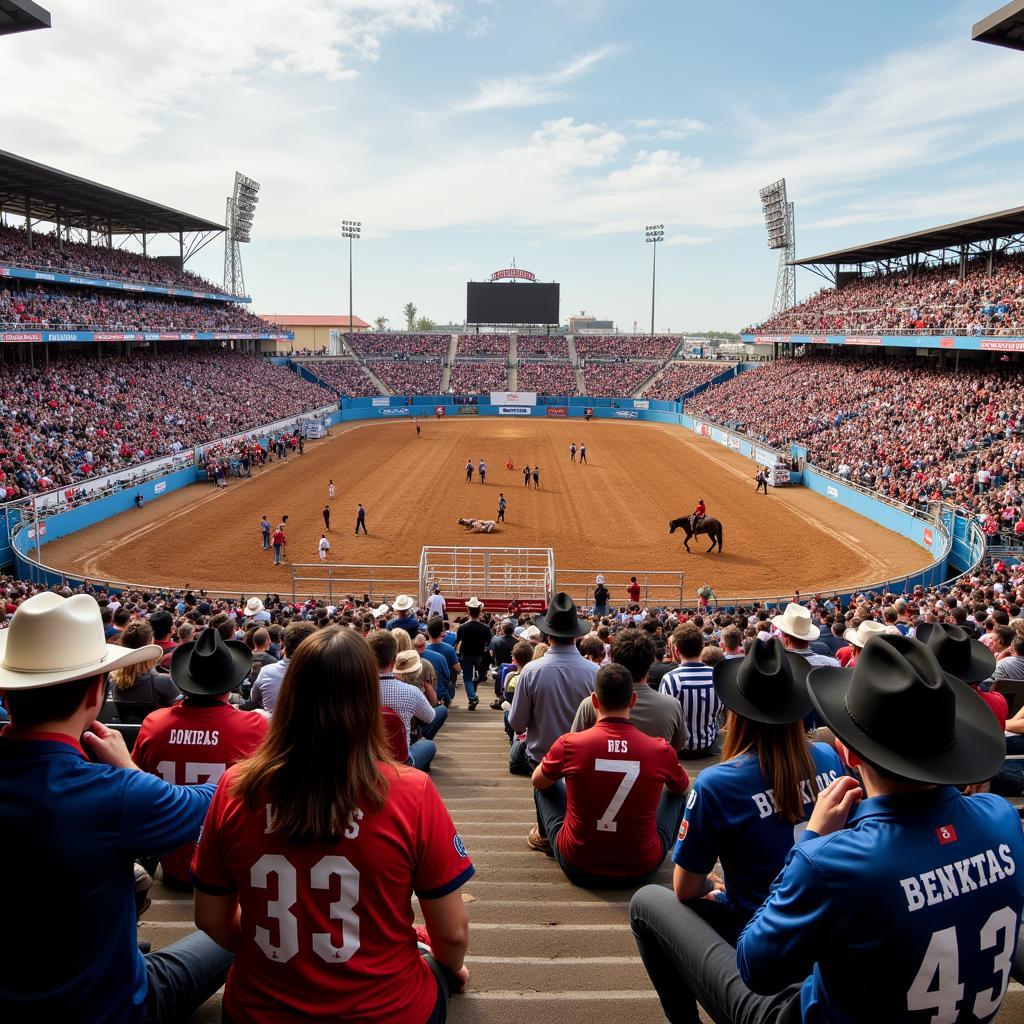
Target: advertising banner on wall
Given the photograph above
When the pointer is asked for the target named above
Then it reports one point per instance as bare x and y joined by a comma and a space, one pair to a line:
558, 410
641, 403
438, 411
468, 410
402, 410
626, 414
513, 398
514, 410
381, 401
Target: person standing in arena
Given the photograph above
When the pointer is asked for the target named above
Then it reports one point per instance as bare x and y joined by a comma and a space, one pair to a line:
278, 542
469, 471
634, 590
536, 478
901, 879
483, 471
526, 475
502, 504
199, 738
583, 454
330, 488
265, 529
360, 519
327, 517
572, 452
352, 839
762, 481
323, 547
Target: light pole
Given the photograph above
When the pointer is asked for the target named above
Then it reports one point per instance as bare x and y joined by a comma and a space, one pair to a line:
350, 229
654, 233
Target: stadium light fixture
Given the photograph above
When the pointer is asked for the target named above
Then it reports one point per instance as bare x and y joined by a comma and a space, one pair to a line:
350, 229
654, 233
238, 218
780, 221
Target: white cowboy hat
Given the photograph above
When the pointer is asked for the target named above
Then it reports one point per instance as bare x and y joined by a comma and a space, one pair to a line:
253, 606
864, 632
474, 602
600, 579
795, 621
403, 603
531, 633
53, 639
380, 611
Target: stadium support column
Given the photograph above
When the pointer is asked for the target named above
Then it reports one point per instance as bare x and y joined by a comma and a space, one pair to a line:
654, 233
350, 229
28, 220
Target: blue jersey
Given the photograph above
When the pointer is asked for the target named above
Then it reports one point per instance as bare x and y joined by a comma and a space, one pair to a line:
909, 914
730, 816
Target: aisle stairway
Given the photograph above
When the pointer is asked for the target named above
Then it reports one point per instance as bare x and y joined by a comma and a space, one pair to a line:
513, 362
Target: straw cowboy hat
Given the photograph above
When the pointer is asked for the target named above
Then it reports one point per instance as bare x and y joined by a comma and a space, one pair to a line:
253, 606
795, 621
408, 662
561, 620
864, 632
474, 602
53, 639
957, 653
403, 603
380, 611
900, 711
209, 665
769, 685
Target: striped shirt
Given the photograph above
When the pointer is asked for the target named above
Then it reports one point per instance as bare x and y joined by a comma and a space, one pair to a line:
691, 684
405, 699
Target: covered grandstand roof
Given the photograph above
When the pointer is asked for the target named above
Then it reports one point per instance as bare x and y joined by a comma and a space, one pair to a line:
78, 200
961, 232
1004, 28
304, 320
21, 16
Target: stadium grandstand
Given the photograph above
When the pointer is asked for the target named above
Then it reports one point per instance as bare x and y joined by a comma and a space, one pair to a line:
22, 16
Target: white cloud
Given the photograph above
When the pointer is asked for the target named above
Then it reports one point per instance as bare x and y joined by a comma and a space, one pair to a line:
479, 28
666, 129
532, 90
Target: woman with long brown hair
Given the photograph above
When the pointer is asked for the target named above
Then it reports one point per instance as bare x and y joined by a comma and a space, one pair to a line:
312, 850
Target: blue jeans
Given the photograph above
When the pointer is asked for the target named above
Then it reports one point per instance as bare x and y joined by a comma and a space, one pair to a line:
551, 816
421, 753
471, 675
183, 976
428, 732
266, 542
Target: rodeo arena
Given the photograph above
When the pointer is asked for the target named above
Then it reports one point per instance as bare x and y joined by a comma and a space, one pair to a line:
310, 631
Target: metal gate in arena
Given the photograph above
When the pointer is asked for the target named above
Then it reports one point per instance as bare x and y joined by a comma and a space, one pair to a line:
498, 577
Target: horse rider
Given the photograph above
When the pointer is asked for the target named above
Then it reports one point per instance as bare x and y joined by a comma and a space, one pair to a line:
698, 515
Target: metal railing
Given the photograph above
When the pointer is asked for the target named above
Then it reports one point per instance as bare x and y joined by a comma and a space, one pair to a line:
487, 573
658, 588
331, 582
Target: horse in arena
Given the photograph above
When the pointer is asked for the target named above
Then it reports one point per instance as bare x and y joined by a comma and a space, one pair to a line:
479, 525
712, 527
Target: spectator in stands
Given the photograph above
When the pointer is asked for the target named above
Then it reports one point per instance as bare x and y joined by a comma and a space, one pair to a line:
655, 714
78, 826
865, 870
374, 831
444, 659
268, 682
500, 650
406, 618
472, 640
261, 656
1011, 669
198, 739
549, 691
692, 685
798, 632
138, 688
598, 839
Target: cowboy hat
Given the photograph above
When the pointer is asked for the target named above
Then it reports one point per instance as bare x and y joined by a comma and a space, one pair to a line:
474, 602
403, 603
54, 639
209, 665
769, 685
795, 621
900, 711
253, 606
959, 655
408, 662
560, 620
380, 611
600, 579
531, 633
864, 632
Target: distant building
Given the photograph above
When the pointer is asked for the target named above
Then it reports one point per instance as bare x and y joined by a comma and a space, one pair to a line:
590, 325
319, 334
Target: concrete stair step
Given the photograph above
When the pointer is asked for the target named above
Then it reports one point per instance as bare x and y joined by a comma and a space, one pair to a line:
594, 1007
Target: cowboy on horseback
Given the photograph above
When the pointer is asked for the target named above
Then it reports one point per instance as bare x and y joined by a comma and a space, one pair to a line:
698, 515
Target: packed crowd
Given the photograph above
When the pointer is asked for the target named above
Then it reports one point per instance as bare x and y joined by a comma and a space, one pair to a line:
541, 346
408, 376
547, 378
631, 346
483, 345
619, 379
47, 252
681, 376
77, 418
59, 309
934, 300
471, 377
852, 759
398, 344
347, 376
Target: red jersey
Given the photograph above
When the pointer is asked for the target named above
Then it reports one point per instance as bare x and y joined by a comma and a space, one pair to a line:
189, 744
327, 928
997, 702
613, 778
634, 592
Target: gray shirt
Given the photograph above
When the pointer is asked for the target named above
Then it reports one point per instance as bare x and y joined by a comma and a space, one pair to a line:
547, 695
656, 714
268, 684
1010, 668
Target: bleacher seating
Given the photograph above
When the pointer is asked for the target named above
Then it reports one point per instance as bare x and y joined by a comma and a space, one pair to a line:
616, 379
408, 376
470, 377
398, 344
483, 345
548, 378
541, 346
628, 346
681, 376
347, 376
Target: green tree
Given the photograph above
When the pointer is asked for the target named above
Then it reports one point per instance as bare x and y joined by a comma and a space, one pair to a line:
410, 316
425, 324
381, 323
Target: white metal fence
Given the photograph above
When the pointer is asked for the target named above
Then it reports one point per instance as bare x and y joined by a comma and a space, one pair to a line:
527, 574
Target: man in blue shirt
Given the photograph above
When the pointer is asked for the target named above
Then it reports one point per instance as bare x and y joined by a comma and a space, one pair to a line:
444, 659
406, 618
72, 829
902, 899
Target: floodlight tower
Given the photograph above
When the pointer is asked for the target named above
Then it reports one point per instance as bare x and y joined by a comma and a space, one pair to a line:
238, 215
654, 233
350, 229
780, 220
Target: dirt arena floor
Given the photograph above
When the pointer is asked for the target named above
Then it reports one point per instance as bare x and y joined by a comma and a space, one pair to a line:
609, 515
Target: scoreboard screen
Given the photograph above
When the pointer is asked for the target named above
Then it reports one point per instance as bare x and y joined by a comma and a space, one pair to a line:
496, 303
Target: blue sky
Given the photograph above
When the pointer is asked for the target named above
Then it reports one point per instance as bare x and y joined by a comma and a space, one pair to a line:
464, 133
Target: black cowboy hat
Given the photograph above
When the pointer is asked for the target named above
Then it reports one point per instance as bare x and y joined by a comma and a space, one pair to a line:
769, 685
561, 620
209, 665
900, 711
958, 654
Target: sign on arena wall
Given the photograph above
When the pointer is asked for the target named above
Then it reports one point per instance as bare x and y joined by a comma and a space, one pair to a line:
557, 410
438, 410
400, 411
160, 487
514, 410
383, 400
763, 457
513, 398
832, 492
734, 442
928, 536
1002, 346
627, 414
468, 410
513, 274
641, 403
